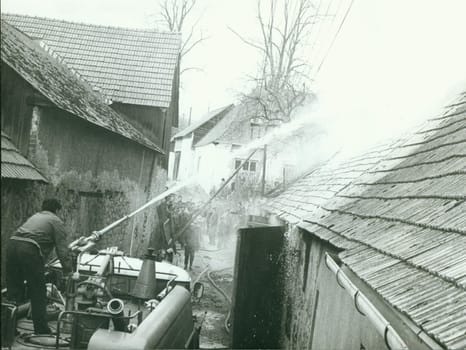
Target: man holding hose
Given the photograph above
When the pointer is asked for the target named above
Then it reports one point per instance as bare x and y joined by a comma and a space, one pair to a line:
27, 251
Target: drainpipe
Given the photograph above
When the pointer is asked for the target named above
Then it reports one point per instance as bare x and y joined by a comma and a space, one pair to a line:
366, 308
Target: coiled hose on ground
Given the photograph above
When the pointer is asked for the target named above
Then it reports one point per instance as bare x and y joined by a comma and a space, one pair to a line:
210, 279
227, 319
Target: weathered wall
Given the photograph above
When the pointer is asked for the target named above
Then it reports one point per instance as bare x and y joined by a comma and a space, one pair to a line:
101, 201
149, 120
99, 176
319, 314
71, 143
155, 122
15, 108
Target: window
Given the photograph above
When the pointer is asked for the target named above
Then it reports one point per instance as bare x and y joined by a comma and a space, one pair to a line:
250, 165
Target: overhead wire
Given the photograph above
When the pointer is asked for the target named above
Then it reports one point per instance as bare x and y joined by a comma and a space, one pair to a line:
321, 24
334, 38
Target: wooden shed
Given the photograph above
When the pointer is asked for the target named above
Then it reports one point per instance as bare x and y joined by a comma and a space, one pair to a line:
136, 70
98, 163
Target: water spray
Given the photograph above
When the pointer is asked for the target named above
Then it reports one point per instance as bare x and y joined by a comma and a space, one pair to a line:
83, 244
205, 205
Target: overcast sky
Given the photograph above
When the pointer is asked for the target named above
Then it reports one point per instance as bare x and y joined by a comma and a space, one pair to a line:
394, 63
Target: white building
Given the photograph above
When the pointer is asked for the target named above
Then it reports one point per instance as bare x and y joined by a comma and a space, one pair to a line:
211, 150
181, 164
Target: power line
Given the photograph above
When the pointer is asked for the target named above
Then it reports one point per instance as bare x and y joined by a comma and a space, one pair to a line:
320, 26
313, 23
334, 38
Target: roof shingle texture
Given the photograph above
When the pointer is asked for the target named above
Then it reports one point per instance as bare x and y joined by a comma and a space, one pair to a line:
398, 213
128, 65
62, 87
14, 165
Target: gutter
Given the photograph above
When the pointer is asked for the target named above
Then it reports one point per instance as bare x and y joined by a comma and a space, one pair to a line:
366, 308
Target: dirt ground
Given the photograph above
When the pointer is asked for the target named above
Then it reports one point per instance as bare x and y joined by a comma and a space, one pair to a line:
217, 263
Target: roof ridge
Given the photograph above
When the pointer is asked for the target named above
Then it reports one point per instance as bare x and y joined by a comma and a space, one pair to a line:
144, 30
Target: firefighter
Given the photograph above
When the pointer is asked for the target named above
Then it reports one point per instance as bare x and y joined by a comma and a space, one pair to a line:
191, 244
27, 251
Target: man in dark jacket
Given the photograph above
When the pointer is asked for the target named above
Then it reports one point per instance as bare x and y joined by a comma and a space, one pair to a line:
191, 244
26, 254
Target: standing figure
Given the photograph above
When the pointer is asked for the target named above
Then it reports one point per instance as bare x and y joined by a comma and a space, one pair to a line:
191, 245
27, 251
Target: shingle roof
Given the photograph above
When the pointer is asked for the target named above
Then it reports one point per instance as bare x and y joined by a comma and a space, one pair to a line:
14, 165
210, 115
398, 213
128, 65
62, 87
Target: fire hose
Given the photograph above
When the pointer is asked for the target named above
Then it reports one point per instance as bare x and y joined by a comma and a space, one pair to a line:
211, 280
83, 244
220, 290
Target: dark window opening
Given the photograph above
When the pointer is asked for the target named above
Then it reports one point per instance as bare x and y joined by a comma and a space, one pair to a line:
237, 164
252, 166
177, 165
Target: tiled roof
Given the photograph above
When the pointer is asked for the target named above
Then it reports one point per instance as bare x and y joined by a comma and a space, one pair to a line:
398, 213
62, 87
14, 165
128, 65
212, 114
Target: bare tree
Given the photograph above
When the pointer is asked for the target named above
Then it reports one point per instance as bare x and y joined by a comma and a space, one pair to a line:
176, 16
285, 27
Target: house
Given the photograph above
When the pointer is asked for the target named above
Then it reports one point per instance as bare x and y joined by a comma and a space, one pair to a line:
375, 245
98, 163
181, 164
136, 70
219, 153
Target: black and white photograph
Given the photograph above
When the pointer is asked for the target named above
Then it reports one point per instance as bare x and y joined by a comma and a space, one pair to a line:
233, 174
